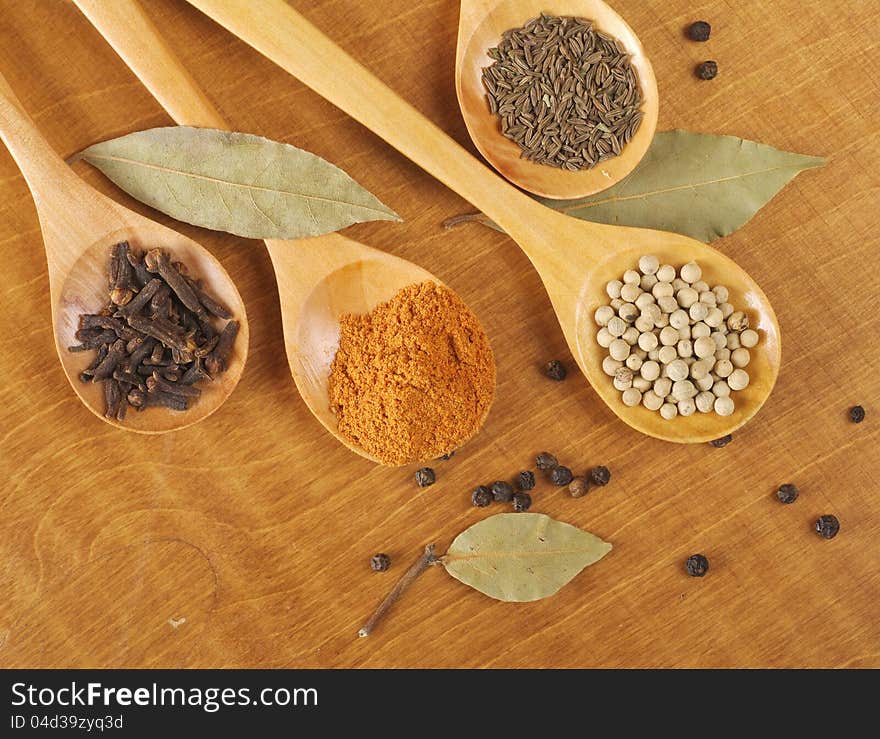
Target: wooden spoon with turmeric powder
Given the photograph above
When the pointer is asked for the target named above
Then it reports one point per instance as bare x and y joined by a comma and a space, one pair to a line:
397, 419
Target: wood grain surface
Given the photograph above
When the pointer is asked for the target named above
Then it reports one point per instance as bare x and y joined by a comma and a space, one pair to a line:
245, 540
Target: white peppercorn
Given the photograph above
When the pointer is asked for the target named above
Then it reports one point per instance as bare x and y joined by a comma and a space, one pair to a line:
644, 300
713, 318
708, 297
667, 354
723, 368
678, 319
611, 365
603, 314
686, 407
679, 284
630, 292
613, 288
740, 357
616, 303
667, 304
698, 311
683, 389
647, 282
721, 293
644, 324
631, 397
719, 339
691, 272
647, 341
705, 383
685, 348
641, 384
663, 321
687, 296
703, 347
668, 336
638, 352
604, 338
701, 369
628, 312
622, 383
654, 355
738, 321
726, 310
651, 400
705, 402
749, 338
662, 290
677, 370
700, 286
616, 326
668, 411
666, 273
619, 349
631, 336
732, 341
649, 264
722, 354
738, 379
699, 330
631, 277
662, 387
723, 406
685, 332
634, 362
721, 389
650, 370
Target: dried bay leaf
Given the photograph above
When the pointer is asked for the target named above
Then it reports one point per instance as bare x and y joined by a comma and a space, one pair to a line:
236, 182
521, 556
700, 185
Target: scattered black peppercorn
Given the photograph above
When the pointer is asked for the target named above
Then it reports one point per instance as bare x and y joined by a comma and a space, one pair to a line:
707, 70
446, 457
787, 493
561, 475
723, 441
555, 370
525, 480
579, 487
699, 31
696, 565
481, 497
857, 414
380, 562
600, 475
425, 477
827, 526
521, 502
502, 491
545, 461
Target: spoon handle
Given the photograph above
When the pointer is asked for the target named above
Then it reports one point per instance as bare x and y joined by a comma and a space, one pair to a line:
278, 32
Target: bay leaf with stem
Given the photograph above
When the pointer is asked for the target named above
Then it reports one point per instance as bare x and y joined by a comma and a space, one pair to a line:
521, 556
701, 185
240, 183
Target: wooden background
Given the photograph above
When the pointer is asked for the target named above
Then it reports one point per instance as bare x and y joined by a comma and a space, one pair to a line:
245, 540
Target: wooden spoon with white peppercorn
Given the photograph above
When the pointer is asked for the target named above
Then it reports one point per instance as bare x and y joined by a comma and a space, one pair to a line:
575, 259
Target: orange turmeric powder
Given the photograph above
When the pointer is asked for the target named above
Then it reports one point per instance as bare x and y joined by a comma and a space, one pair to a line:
413, 379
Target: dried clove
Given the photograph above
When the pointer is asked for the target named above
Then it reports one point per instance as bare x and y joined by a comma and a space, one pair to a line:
156, 338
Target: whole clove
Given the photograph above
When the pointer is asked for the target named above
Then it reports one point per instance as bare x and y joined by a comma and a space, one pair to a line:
156, 338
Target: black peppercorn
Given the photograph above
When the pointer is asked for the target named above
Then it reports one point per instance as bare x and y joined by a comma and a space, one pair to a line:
696, 565
425, 477
699, 31
521, 502
579, 487
502, 491
857, 414
707, 70
787, 493
555, 370
446, 457
380, 562
481, 497
827, 526
600, 475
525, 480
560, 475
723, 441
545, 461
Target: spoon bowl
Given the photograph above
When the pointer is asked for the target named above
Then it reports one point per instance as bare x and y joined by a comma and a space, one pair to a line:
84, 291
481, 24
79, 227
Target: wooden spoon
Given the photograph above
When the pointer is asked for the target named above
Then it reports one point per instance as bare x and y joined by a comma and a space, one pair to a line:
480, 26
79, 226
574, 258
319, 278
